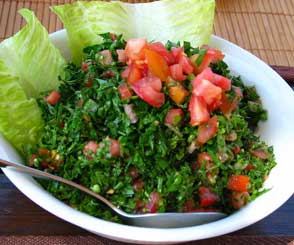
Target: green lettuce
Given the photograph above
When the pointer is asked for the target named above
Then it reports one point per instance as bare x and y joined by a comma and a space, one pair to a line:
31, 56
20, 117
189, 20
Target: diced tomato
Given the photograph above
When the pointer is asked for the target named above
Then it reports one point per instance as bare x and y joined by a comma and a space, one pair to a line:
239, 199
89, 83
207, 130
126, 72
157, 65
249, 167
198, 110
32, 159
160, 49
217, 54
138, 185
178, 93
226, 105
133, 172
206, 74
207, 197
90, 147
85, 67
203, 157
153, 203
125, 91
43, 152
114, 147
260, 153
177, 53
107, 57
148, 89
238, 91
53, 97
186, 65
112, 36
135, 48
174, 117
236, 150
222, 82
121, 53
209, 92
135, 74
238, 183
176, 72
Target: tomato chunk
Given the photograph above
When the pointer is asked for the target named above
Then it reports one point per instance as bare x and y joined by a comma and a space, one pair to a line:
227, 106
239, 199
53, 97
206, 74
114, 149
207, 130
222, 82
157, 65
178, 93
135, 48
186, 64
134, 74
90, 148
148, 89
124, 91
177, 53
176, 72
207, 197
106, 58
160, 49
153, 203
198, 110
121, 53
238, 183
174, 117
208, 57
260, 153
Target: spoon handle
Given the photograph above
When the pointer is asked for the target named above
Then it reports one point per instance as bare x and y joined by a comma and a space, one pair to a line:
38, 173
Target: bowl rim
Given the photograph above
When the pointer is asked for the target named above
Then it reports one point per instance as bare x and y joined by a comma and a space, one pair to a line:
28, 186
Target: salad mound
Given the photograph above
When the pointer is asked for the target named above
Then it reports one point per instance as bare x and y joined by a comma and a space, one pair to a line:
153, 128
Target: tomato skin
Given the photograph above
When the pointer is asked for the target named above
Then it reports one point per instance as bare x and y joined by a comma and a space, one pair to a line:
121, 53
198, 110
174, 117
217, 54
178, 93
135, 48
114, 149
126, 72
227, 106
53, 97
260, 153
177, 53
153, 203
107, 57
249, 167
157, 65
176, 72
125, 92
239, 199
207, 90
206, 74
238, 183
160, 49
208, 57
222, 82
148, 89
207, 130
134, 74
186, 65
236, 150
207, 197
90, 147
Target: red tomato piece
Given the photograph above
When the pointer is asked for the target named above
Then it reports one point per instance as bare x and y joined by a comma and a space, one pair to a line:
153, 203
32, 160
222, 82
238, 183
160, 49
125, 92
208, 57
239, 199
157, 65
178, 93
138, 185
43, 152
260, 153
226, 105
174, 117
207, 130
135, 48
217, 54
176, 72
90, 147
53, 97
236, 150
134, 75
126, 72
177, 53
209, 92
186, 64
198, 110
206, 74
121, 53
107, 57
85, 67
249, 167
114, 149
148, 89
207, 197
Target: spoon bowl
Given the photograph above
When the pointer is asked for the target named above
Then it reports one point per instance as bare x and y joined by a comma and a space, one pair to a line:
156, 220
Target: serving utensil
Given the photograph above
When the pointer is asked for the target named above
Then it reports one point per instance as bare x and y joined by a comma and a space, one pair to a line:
156, 220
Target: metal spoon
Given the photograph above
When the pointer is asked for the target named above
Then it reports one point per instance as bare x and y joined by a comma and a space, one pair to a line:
157, 220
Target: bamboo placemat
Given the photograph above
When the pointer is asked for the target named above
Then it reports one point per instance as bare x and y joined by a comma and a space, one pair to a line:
264, 27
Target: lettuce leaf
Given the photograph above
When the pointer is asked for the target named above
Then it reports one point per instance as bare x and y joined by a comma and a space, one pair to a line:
173, 20
31, 56
20, 117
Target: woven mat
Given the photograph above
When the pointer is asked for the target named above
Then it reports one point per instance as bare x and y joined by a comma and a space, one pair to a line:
264, 27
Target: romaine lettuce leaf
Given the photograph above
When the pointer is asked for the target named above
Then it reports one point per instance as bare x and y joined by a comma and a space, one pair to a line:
20, 117
31, 56
174, 20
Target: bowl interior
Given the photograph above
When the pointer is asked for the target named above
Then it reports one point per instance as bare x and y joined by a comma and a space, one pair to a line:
278, 130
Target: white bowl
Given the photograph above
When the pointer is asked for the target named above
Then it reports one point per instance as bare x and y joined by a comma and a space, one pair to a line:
278, 130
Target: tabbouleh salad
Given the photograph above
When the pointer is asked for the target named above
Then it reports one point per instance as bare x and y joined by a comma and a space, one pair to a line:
153, 128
